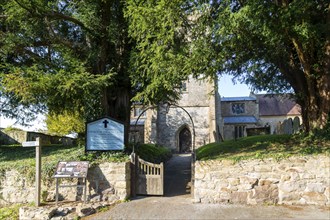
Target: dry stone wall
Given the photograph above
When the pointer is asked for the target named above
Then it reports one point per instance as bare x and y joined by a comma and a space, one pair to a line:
105, 182
301, 180
18, 137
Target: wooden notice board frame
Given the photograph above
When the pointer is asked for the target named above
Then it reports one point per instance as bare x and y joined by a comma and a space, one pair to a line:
71, 169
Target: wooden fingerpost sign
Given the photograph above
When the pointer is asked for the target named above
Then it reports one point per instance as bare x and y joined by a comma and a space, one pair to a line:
37, 145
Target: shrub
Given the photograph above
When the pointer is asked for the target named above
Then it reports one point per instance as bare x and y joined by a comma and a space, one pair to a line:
151, 152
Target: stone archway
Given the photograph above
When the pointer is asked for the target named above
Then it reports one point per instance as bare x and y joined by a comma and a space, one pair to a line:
185, 140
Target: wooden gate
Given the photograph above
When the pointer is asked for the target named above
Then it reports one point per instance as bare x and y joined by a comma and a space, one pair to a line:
149, 177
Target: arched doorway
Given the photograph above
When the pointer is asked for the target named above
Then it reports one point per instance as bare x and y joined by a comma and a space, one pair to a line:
185, 140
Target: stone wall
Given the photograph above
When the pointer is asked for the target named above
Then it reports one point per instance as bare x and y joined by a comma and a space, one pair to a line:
12, 137
105, 182
297, 180
18, 136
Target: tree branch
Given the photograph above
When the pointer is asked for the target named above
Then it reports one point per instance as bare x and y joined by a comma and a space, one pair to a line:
302, 56
24, 7
60, 16
55, 15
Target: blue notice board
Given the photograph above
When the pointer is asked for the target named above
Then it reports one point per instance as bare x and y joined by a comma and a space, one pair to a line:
105, 134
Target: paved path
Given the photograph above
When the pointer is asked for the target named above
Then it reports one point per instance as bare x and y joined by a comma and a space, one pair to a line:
178, 175
177, 203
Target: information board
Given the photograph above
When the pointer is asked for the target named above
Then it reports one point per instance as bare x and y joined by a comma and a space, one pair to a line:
104, 134
76, 169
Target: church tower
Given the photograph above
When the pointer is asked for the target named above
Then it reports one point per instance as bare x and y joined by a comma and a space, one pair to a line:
188, 124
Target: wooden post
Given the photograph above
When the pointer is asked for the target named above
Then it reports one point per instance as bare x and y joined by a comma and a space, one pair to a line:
133, 178
136, 173
37, 145
85, 189
56, 198
38, 171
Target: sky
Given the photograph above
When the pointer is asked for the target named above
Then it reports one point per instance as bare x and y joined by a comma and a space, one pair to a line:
36, 125
226, 89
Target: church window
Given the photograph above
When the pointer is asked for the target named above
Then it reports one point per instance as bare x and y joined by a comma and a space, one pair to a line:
238, 108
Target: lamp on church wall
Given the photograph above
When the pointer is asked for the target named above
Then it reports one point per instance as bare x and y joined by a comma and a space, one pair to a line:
167, 106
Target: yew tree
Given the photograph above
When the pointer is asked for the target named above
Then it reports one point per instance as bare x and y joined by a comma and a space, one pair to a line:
91, 57
277, 45
66, 56
274, 45
84, 57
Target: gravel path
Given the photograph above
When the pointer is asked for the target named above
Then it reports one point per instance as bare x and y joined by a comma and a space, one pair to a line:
178, 204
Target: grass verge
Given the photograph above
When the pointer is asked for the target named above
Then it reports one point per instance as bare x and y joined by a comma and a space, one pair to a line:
264, 146
10, 212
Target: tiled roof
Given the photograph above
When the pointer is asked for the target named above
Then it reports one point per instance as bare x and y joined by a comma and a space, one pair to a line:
240, 120
237, 99
276, 105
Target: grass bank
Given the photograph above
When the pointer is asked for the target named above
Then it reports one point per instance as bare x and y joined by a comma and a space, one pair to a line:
265, 146
10, 212
23, 158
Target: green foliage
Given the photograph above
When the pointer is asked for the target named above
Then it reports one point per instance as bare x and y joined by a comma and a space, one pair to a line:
22, 159
59, 92
254, 36
152, 25
277, 46
151, 152
65, 123
164, 54
9, 212
10, 128
44, 195
103, 209
60, 55
321, 133
96, 157
265, 146
93, 57
312, 149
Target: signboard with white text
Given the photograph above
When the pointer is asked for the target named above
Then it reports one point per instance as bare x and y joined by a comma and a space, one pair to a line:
105, 134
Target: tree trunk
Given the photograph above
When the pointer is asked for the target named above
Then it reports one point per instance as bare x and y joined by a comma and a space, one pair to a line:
323, 86
316, 103
312, 94
116, 100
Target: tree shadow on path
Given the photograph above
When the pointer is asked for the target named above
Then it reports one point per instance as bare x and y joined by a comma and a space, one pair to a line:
178, 175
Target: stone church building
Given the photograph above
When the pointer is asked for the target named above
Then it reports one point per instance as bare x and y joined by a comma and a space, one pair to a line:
243, 116
191, 122
200, 117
